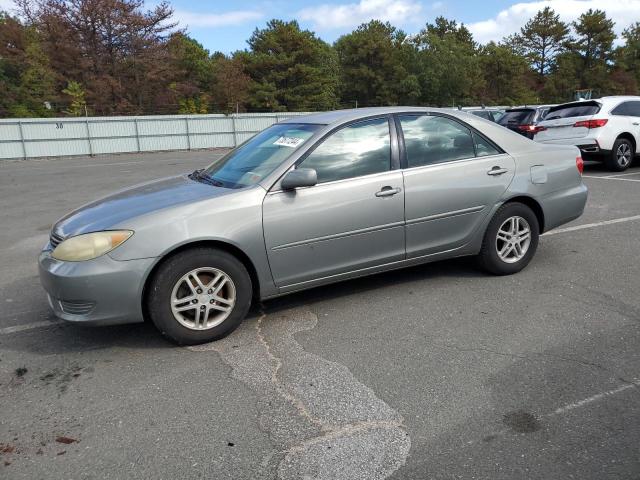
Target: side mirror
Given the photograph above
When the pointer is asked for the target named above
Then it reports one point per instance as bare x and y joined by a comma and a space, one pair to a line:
302, 177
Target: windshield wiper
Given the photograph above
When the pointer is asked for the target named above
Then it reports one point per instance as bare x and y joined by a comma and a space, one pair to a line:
200, 176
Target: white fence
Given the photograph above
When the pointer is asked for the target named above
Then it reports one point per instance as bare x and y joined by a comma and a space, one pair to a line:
52, 137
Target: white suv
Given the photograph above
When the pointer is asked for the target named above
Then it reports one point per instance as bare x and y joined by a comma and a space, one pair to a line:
606, 129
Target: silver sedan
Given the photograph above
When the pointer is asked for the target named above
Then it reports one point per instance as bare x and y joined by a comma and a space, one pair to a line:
306, 202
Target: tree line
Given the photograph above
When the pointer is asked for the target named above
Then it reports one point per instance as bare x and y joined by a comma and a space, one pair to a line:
115, 57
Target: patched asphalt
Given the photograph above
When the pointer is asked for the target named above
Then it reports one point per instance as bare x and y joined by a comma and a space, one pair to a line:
438, 371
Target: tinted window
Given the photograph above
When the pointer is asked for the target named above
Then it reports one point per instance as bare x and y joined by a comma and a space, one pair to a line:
257, 158
634, 109
517, 117
483, 147
484, 114
360, 149
573, 110
627, 108
621, 109
432, 139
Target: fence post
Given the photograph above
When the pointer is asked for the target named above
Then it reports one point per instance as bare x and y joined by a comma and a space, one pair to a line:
135, 122
235, 132
186, 122
24, 147
89, 136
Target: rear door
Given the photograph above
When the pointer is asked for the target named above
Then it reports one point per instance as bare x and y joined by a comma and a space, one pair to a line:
353, 219
559, 121
627, 119
453, 177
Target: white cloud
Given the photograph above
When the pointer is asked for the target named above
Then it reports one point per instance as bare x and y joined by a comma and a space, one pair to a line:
194, 19
622, 12
330, 17
7, 5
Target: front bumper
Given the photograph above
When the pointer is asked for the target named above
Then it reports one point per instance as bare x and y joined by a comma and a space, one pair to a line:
102, 291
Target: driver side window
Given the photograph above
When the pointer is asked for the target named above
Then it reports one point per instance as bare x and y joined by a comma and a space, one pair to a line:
359, 149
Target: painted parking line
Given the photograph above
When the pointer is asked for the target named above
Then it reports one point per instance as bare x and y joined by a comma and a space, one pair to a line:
592, 399
622, 174
28, 326
592, 225
612, 178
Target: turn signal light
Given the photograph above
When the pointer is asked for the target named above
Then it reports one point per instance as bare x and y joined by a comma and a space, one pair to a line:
591, 123
580, 164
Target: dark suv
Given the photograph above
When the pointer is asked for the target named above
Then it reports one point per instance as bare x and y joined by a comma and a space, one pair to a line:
524, 120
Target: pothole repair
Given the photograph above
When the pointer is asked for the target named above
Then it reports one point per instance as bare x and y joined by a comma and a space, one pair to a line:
325, 423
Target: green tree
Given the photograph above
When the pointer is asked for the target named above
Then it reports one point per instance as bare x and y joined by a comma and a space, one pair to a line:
378, 66
78, 106
594, 47
291, 69
542, 38
628, 59
192, 70
26, 78
507, 76
449, 62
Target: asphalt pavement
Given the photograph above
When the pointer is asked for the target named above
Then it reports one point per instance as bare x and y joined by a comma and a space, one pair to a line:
433, 372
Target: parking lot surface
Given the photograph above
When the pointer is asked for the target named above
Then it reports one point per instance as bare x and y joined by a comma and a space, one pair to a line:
438, 371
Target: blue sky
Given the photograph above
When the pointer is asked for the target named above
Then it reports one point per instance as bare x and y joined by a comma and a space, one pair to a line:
226, 26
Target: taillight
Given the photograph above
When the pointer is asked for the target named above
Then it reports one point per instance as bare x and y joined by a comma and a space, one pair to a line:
580, 164
591, 123
531, 128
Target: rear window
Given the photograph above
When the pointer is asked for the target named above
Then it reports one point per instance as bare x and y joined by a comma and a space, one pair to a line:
573, 110
516, 117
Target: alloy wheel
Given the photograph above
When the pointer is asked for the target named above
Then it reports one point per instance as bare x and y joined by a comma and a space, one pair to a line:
624, 155
203, 298
513, 239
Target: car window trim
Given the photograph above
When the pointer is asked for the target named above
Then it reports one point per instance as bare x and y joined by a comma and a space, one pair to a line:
453, 162
474, 131
394, 162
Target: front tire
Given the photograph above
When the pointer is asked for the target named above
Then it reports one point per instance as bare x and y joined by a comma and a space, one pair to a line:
621, 155
199, 295
510, 241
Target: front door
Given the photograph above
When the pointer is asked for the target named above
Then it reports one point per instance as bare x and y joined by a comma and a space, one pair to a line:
353, 219
453, 178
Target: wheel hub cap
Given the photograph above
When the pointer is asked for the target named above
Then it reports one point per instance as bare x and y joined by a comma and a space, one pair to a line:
203, 298
513, 239
623, 155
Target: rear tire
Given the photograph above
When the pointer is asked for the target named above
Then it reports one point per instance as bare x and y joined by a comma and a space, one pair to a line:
199, 295
510, 241
621, 155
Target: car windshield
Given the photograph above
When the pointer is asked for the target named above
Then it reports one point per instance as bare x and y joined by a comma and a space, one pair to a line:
254, 160
573, 110
516, 117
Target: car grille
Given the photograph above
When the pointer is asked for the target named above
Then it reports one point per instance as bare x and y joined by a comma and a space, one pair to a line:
55, 240
76, 307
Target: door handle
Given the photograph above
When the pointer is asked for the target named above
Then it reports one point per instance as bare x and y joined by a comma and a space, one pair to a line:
497, 171
387, 192
636, 123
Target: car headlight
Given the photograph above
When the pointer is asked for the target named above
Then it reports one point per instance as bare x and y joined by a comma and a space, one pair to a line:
90, 245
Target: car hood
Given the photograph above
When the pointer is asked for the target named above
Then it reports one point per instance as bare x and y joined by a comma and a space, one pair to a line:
120, 207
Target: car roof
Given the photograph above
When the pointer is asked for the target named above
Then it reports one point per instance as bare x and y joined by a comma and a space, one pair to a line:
343, 116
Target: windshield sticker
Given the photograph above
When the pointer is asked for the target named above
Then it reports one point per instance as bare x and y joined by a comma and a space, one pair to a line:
291, 142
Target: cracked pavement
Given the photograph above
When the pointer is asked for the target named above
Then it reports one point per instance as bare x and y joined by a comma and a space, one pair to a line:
434, 372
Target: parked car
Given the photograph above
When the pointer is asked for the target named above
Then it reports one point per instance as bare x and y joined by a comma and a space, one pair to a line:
607, 129
492, 114
309, 201
524, 120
